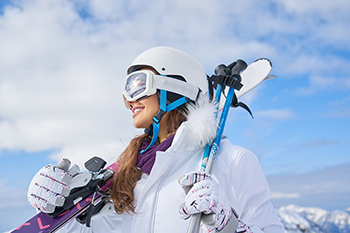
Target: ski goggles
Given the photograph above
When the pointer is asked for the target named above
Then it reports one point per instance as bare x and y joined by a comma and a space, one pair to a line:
144, 83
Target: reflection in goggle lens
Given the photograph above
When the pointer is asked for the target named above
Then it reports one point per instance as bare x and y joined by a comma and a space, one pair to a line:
136, 84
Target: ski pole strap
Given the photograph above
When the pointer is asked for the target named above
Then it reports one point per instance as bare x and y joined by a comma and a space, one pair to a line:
210, 89
235, 104
227, 80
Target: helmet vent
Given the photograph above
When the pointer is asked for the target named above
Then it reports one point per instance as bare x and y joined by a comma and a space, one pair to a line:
163, 69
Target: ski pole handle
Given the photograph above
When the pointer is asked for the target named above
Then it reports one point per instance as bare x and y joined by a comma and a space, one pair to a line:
237, 67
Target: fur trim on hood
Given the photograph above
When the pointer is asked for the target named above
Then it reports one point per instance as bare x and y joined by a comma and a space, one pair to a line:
201, 124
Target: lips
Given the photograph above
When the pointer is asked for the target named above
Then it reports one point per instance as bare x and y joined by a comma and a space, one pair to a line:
136, 110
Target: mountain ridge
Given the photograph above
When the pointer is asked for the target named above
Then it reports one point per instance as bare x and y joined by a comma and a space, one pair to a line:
298, 219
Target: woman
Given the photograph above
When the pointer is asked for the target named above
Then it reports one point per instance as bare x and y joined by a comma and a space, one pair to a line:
166, 91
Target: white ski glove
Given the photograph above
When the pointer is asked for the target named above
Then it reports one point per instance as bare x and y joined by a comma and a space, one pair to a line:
50, 186
243, 228
205, 196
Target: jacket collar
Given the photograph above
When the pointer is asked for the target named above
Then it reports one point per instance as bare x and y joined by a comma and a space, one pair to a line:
200, 127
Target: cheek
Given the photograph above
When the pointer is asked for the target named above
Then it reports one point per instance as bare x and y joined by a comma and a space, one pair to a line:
152, 104
154, 109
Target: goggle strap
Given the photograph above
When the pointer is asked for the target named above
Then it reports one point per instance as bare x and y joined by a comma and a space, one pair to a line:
174, 85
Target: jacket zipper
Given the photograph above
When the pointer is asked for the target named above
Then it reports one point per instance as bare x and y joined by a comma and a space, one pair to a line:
157, 194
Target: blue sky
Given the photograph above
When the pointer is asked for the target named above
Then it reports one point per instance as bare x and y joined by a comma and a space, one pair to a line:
62, 68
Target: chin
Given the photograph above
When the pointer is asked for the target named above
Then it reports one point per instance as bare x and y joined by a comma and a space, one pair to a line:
141, 126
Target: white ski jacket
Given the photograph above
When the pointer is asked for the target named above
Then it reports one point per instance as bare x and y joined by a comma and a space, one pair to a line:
158, 195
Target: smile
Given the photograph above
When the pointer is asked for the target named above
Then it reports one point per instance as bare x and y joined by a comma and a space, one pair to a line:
136, 110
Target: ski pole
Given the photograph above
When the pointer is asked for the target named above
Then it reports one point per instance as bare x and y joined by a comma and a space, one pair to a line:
208, 163
218, 71
196, 218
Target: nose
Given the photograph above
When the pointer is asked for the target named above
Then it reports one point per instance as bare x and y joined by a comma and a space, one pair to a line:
128, 104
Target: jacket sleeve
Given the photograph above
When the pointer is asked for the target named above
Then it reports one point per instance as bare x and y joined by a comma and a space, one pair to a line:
249, 194
74, 226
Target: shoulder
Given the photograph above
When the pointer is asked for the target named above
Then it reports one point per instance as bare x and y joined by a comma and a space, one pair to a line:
237, 162
229, 151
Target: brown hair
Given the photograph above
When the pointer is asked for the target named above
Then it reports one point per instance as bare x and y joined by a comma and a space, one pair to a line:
124, 182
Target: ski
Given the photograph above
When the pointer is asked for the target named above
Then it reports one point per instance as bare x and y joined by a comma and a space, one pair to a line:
44, 223
256, 72
252, 76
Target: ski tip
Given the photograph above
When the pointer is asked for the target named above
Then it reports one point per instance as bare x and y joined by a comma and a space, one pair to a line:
270, 77
263, 58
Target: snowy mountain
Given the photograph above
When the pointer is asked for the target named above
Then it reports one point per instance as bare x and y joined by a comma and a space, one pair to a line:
300, 219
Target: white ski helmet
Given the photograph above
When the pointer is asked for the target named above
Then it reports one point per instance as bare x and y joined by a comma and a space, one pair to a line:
172, 62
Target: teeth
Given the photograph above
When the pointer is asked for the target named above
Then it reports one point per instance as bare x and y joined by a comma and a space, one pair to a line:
138, 110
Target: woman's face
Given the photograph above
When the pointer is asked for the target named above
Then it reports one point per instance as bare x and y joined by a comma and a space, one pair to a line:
144, 110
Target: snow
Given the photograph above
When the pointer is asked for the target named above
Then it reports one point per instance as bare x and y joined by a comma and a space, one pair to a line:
311, 219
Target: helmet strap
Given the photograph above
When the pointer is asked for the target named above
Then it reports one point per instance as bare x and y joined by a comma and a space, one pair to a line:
163, 108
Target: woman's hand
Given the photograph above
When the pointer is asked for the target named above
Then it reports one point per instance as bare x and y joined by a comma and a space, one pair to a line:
50, 186
204, 195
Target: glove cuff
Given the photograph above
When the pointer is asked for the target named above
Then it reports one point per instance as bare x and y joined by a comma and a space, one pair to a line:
232, 224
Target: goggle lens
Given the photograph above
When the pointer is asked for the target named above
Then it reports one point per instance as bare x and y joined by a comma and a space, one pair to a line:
136, 84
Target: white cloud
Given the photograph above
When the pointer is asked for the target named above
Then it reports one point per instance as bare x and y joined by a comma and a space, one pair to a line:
321, 83
326, 188
13, 202
320, 143
59, 88
10, 197
278, 195
277, 114
329, 82
344, 113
